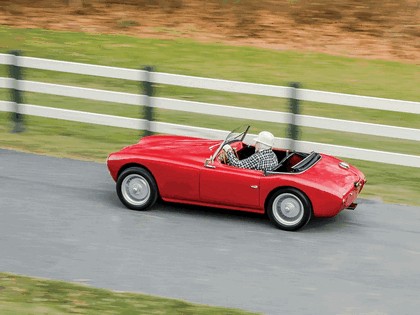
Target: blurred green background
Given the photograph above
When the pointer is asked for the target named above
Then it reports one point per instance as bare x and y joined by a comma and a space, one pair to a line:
183, 56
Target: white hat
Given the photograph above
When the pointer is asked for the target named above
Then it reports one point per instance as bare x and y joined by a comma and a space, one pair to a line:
265, 138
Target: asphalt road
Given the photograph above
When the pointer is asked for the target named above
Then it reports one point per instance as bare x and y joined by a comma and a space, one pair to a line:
61, 219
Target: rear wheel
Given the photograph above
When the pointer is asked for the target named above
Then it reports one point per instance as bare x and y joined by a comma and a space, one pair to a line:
289, 209
137, 188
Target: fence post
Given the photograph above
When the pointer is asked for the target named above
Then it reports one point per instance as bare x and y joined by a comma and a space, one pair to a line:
293, 130
15, 72
148, 90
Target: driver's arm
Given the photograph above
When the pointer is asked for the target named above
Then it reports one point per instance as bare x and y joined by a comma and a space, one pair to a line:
251, 162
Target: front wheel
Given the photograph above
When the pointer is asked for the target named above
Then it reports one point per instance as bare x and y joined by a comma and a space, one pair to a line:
289, 209
137, 188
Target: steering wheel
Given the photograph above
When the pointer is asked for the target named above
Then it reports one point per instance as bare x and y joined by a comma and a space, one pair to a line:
235, 152
223, 156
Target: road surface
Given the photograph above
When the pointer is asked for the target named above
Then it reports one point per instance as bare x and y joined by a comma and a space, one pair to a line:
61, 219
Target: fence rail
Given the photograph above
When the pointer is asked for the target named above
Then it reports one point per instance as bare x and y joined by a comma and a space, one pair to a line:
208, 108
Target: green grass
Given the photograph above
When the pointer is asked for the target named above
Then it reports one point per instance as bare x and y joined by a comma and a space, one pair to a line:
24, 295
315, 71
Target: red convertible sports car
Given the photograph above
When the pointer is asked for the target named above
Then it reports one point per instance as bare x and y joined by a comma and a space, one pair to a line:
189, 170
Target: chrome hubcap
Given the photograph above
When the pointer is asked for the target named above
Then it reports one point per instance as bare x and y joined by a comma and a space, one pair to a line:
288, 209
135, 189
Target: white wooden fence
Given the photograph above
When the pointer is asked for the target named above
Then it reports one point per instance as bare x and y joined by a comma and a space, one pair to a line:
211, 109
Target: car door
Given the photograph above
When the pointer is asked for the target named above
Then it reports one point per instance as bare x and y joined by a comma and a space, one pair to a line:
228, 185
177, 181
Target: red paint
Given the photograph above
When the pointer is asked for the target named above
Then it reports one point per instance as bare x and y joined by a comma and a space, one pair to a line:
177, 164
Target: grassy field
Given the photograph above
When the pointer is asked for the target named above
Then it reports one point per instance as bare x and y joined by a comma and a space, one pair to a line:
24, 295
314, 71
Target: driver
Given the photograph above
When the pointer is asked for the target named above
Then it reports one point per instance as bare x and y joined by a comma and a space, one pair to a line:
263, 159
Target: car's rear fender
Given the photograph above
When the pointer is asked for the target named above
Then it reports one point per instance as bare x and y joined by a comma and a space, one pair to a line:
324, 201
271, 193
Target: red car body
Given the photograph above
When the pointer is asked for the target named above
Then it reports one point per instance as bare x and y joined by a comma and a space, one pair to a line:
178, 165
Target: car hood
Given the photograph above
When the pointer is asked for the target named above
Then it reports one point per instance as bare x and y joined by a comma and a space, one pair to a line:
180, 148
172, 141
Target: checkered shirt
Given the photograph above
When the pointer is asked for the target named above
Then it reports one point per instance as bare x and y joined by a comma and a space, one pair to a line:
265, 160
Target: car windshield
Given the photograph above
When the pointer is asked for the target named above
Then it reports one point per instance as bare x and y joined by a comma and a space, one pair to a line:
237, 134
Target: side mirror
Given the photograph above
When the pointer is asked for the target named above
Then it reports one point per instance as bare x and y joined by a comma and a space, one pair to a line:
208, 163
